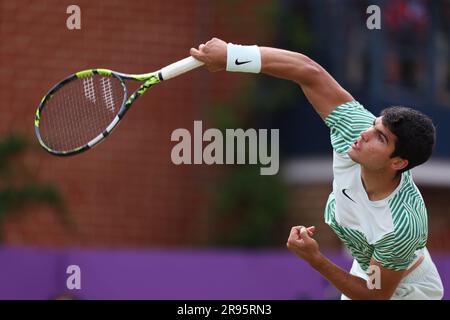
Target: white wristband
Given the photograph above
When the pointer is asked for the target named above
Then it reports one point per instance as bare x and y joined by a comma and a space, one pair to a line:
243, 58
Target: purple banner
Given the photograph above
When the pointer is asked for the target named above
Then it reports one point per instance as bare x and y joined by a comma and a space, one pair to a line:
166, 274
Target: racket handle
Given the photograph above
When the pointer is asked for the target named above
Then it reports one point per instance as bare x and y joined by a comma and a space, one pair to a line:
175, 69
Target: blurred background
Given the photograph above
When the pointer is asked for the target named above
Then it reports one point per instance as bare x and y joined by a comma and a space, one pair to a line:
140, 227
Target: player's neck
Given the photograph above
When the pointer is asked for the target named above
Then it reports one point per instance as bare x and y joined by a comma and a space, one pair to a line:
379, 184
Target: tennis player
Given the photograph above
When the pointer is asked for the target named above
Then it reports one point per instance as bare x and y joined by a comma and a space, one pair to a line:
375, 207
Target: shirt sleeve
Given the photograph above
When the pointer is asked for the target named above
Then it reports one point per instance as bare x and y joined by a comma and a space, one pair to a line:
346, 122
396, 252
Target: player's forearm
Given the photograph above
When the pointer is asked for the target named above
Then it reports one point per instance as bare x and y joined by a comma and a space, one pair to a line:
352, 286
289, 65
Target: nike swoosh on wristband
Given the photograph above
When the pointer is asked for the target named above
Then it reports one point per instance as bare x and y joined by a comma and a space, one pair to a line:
237, 62
345, 194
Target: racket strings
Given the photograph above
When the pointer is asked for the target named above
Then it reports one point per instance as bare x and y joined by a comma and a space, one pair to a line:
80, 111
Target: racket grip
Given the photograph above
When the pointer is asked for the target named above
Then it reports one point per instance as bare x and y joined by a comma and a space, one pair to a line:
175, 69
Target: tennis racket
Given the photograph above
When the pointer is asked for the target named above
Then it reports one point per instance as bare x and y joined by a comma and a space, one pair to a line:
83, 109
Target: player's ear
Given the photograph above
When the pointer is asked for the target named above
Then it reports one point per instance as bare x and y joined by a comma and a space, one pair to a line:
399, 163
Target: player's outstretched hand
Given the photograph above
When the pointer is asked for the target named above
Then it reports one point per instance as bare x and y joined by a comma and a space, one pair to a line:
213, 53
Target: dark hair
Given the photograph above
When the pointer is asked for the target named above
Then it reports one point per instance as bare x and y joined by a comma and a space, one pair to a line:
415, 132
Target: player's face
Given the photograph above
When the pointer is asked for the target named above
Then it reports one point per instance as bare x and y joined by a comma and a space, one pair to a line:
374, 147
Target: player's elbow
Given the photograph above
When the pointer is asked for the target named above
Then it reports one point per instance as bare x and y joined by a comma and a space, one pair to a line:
308, 71
371, 294
379, 294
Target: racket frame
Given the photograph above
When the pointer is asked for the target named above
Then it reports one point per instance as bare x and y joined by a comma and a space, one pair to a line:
168, 72
149, 80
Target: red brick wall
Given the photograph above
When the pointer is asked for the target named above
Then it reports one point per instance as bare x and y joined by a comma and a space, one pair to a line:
126, 191
438, 205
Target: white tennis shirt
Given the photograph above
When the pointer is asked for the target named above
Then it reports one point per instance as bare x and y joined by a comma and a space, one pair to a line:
394, 230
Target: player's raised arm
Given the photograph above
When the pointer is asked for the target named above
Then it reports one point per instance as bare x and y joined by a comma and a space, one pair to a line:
322, 91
